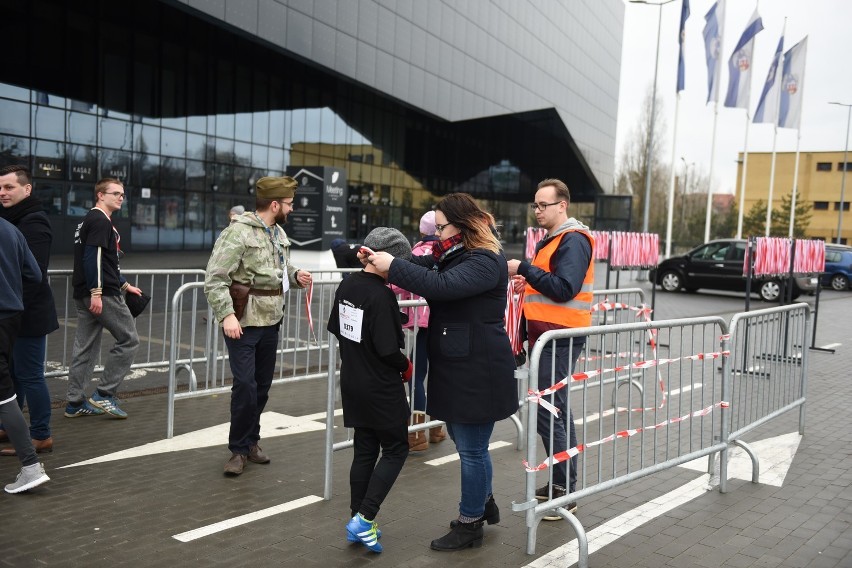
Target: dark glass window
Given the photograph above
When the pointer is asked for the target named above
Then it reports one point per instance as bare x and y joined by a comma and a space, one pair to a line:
840, 166
13, 92
82, 128
14, 150
193, 227
144, 220
171, 221
845, 206
277, 124
82, 163
50, 194
196, 176
820, 205
173, 143
173, 173
146, 139
49, 160
147, 170
49, 123
16, 117
260, 130
225, 125
196, 146
823, 166
80, 198
116, 164
243, 126
116, 134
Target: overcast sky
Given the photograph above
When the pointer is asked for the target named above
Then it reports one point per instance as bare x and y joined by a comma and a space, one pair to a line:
828, 25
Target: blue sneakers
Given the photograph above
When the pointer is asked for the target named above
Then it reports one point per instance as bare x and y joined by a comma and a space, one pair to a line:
108, 404
352, 538
84, 409
364, 531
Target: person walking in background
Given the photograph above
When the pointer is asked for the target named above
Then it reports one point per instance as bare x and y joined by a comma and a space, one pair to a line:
247, 275
345, 255
419, 441
366, 320
26, 212
98, 296
17, 266
471, 366
235, 212
558, 295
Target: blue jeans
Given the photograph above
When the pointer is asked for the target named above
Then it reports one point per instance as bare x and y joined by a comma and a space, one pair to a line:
252, 359
417, 387
28, 375
566, 359
472, 445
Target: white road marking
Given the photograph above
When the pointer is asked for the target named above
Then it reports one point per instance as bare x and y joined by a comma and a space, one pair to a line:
454, 457
244, 519
272, 424
614, 529
776, 455
611, 411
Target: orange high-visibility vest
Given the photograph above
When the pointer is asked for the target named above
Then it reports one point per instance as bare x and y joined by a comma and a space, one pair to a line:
576, 312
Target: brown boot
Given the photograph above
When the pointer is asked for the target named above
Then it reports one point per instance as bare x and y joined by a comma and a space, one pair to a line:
417, 441
40, 446
236, 464
436, 434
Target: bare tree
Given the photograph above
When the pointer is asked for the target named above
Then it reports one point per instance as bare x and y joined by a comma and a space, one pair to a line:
635, 162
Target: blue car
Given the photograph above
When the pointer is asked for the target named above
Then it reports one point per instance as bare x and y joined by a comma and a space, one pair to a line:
838, 267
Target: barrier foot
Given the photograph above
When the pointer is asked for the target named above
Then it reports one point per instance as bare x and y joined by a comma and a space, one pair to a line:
582, 539
823, 349
755, 462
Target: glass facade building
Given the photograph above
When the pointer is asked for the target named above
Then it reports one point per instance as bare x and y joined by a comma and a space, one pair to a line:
188, 103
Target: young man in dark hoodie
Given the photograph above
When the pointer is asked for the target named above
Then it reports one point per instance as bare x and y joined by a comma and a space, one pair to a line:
367, 323
26, 212
558, 295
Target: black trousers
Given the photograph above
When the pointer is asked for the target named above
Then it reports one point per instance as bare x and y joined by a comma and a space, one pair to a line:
371, 481
253, 365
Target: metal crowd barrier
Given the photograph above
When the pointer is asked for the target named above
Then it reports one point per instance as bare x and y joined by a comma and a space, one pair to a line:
204, 357
152, 324
700, 389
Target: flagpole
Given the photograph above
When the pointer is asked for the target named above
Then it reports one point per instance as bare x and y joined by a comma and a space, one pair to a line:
795, 185
743, 180
670, 207
771, 182
712, 162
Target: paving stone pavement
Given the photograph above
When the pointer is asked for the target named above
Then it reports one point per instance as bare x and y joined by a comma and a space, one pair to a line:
126, 512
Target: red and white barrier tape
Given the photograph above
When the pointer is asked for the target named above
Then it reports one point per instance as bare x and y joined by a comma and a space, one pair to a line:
514, 310
309, 295
571, 452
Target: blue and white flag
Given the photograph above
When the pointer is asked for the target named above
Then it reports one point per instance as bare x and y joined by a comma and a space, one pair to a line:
715, 22
739, 65
681, 73
792, 86
767, 106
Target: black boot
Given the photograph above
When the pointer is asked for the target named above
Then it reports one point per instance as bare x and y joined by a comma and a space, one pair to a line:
491, 515
463, 535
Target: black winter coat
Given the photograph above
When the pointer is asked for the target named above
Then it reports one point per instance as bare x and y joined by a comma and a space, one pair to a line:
39, 316
471, 367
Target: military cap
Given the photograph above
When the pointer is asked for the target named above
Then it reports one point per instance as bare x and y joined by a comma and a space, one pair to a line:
276, 187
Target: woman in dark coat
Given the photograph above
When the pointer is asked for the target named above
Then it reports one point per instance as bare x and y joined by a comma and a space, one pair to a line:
471, 375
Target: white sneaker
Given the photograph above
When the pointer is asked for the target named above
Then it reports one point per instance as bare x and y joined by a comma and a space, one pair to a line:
30, 476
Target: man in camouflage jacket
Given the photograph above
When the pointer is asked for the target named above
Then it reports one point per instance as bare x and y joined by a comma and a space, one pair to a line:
253, 251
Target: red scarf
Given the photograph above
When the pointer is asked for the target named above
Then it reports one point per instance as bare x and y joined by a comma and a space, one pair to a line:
440, 249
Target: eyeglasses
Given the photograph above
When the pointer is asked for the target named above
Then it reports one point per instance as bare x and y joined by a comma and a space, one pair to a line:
543, 206
288, 203
118, 194
439, 228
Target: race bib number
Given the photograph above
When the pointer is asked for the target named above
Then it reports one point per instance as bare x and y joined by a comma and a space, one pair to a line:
351, 319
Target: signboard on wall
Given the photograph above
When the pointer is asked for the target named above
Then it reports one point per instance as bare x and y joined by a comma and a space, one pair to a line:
319, 214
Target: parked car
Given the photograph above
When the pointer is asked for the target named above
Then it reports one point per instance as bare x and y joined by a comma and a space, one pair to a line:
838, 267
718, 265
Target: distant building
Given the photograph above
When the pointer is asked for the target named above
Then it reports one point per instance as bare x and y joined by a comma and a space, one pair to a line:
820, 177
189, 102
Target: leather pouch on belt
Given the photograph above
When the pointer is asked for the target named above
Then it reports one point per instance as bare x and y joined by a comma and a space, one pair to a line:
239, 298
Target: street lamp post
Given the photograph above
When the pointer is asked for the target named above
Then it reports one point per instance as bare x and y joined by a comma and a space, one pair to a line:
686, 167
845, 167
647, 204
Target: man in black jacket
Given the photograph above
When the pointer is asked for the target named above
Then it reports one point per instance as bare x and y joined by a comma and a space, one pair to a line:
22, 209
